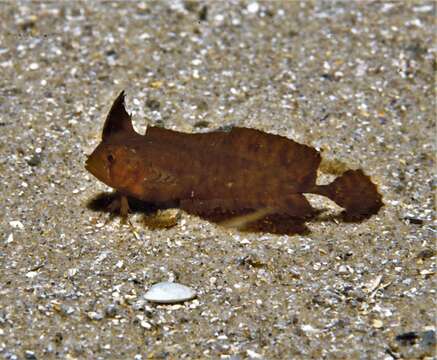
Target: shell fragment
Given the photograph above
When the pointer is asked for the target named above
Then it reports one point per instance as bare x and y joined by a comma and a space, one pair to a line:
169, 293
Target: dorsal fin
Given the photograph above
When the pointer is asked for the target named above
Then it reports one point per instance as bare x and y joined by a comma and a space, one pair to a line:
118, 120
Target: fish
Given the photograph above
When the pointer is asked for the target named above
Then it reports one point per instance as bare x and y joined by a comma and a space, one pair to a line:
232, 171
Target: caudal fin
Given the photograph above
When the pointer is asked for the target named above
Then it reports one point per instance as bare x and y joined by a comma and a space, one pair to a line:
355, 192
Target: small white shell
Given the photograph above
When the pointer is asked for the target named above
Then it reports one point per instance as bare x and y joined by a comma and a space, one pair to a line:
169, 293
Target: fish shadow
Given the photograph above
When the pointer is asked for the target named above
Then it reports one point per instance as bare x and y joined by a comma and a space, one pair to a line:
274, 223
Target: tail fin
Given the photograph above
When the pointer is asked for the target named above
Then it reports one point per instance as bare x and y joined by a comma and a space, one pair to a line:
355, 192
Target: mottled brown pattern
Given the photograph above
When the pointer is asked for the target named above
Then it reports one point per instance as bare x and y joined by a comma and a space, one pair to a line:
230, 172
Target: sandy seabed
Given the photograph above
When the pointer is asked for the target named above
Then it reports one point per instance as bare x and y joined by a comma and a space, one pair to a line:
353, 79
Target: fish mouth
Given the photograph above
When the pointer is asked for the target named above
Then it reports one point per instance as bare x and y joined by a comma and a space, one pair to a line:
95, 168
87, 164
89, 167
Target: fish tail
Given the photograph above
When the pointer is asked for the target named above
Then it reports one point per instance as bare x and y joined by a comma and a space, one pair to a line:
355, 192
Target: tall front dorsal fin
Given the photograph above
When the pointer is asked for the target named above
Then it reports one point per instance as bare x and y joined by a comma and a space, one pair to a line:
118, 120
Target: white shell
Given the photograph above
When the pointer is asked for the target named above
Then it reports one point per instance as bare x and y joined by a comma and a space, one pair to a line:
169, 293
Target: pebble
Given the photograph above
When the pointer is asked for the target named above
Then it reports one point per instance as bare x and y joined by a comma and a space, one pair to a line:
92, 315
29, 355
169, 293
31, 274
145, 325
253, 8
111, 310
67, 310
10, 238
377, 324
34, 66
253, 355
16, 224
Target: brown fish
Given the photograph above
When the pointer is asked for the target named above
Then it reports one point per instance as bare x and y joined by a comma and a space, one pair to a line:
239, 170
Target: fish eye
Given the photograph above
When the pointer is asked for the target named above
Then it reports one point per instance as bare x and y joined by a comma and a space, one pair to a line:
110, 158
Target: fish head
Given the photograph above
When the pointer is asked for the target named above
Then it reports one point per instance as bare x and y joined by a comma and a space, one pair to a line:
116, 165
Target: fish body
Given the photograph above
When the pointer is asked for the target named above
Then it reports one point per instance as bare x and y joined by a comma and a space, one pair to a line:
240, 169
